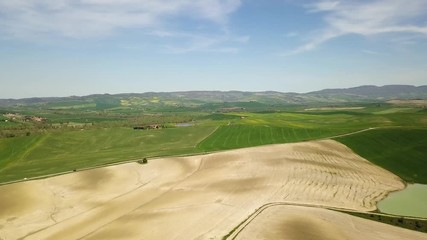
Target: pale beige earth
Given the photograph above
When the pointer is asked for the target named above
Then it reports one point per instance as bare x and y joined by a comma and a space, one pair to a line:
198, 197
307, 223
412, 102
333, 108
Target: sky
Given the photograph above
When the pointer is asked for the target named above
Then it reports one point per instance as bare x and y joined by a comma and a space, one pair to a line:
80, 47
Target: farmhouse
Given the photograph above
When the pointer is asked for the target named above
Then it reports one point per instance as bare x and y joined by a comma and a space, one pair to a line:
34, 119
231, 109
19, 117
146, 127
13, 116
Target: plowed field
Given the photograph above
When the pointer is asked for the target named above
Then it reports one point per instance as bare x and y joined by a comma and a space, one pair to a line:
198, 197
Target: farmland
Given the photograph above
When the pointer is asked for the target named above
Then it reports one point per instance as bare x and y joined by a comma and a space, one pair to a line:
73, 162
398, 150
268, 128
237, 136
305, 223
27, 157
72, 139
213, 120
197, 196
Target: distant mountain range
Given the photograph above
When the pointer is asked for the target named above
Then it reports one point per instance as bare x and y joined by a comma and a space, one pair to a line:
374, 92
193, 98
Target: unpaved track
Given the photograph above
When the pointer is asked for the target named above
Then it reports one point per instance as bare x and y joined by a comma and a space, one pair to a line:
307, 223
199, 197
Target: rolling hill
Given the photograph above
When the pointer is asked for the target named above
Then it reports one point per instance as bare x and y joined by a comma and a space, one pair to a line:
199, 98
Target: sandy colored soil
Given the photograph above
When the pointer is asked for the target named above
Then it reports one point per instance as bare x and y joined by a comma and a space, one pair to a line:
416, 103
307, 223
199, 197
333, 108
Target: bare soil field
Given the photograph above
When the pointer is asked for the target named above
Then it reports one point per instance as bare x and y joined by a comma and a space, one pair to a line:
333, 108
416, 103
198, 197
307, 223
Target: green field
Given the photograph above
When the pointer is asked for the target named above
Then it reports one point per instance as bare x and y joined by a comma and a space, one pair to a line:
402, 151
26, 157
268, 128
239, 136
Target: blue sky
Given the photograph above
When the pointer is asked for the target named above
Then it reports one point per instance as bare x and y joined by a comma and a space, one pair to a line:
80, 47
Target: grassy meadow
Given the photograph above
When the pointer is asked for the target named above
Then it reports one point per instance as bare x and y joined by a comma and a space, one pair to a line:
402, 151
31, 156
253, 129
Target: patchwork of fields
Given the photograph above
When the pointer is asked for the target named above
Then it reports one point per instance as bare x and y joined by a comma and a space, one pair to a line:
65, 151
207, 195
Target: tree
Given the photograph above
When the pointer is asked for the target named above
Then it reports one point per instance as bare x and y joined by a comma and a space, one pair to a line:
143, 161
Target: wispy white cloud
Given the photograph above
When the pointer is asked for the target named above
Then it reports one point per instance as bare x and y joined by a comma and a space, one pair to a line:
323, 6
291, 34
30, 19
405, 40
193, 42
325, 36
367, 51
365, 18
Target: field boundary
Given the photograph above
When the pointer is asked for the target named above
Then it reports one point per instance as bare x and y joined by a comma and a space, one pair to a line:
200, 152
107, 165
353, 133
239, 228
361, 131
198, 144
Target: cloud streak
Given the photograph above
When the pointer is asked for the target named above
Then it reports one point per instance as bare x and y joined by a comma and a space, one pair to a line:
86, 19
201, 42
366, 18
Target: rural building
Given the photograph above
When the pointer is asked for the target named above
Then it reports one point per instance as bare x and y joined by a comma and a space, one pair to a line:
152, 126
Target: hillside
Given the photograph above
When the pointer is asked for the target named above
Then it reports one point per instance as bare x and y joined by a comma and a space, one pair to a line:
375, 92
199, 98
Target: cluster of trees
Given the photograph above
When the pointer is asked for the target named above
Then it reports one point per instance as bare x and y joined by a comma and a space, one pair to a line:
409, 223
23, 130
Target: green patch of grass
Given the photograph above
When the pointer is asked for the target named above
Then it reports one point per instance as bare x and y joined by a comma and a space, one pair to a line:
4, 124
284, 127
218, 116
336, 120
239, 136
26, 157
13, 149
402, 151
